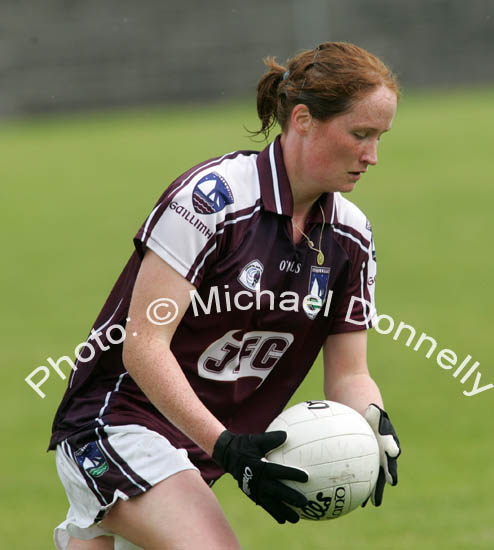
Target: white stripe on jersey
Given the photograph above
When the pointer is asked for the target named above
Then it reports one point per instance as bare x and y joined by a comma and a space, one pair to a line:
362, 295
91, 337
371, 274
276, 187
148, 221
107, 399
193, 279
240, 218
349, 214
350, 236
229, 222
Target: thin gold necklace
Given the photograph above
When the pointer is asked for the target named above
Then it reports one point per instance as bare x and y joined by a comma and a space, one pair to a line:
310, 243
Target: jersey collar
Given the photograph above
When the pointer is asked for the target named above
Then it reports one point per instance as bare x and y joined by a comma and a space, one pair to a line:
276, 193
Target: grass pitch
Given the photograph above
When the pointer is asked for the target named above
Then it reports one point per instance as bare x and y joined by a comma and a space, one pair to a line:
75, 190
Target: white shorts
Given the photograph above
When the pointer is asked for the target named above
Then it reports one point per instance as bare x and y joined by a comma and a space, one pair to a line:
121, 462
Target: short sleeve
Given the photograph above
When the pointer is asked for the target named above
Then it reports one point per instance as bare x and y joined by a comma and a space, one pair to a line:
186, 226
356, 310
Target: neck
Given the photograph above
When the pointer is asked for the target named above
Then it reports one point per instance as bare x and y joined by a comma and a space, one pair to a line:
303, 196
302, 204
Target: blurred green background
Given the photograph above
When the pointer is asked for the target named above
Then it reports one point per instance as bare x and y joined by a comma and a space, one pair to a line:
76, 188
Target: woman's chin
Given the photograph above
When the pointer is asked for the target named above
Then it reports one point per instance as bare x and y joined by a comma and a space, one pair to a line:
347, 187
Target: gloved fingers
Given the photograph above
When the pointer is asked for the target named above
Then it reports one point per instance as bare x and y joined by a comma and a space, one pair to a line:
280, 491
373, 415
377, 493
273, 470
381, 424
279, 511
268, 441
389, 444
391, 470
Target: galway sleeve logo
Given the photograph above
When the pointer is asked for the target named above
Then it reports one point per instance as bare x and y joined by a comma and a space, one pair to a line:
211, 194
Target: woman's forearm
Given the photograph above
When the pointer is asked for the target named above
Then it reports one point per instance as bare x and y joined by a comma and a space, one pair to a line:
156, 371
355, 390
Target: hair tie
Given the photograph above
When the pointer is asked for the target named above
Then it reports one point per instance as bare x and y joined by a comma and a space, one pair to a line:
286, 74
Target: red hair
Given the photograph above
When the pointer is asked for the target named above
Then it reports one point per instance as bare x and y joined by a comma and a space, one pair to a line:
328, 79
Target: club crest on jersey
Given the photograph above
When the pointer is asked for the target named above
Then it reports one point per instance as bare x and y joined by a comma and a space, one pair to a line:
250, 276
318, 287
211, 194
91, 459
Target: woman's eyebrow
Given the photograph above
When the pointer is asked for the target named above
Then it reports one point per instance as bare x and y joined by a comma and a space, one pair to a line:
371, 129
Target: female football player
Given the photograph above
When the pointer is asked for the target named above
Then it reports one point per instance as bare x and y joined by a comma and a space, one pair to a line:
246, 267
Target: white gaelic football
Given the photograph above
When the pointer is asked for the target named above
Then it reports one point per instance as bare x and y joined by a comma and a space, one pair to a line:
336, 446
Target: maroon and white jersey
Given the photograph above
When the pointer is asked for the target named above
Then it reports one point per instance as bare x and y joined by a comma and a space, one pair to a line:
262, 307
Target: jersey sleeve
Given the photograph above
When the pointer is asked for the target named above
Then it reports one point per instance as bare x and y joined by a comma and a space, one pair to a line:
186, 226
357, 310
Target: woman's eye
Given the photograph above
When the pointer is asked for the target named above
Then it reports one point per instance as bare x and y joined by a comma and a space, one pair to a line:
360, 135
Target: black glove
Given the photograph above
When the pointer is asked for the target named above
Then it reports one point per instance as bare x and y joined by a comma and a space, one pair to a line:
389, 451
243, 457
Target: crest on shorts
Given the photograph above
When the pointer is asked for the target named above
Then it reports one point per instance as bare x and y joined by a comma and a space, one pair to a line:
91, 459
211, 194
250, 276
318, 288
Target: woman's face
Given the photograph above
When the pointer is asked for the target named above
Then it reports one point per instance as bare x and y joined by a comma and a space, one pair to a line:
336, 152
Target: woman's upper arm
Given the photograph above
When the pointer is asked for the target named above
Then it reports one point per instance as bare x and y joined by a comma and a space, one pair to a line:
161, 295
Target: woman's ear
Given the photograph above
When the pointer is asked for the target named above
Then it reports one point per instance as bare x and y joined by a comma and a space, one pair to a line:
301, 119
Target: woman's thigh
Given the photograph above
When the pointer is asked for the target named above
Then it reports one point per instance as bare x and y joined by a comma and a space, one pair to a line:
180, 512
